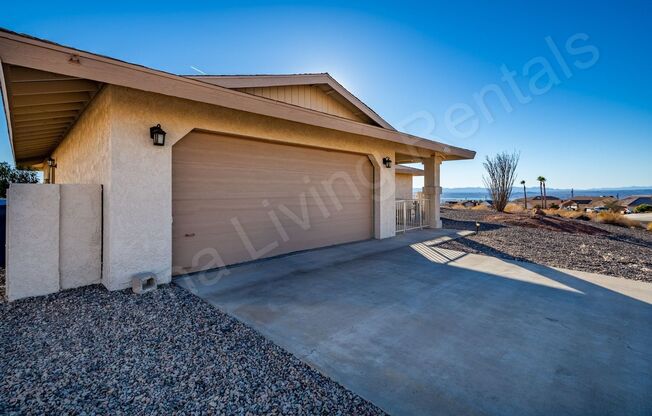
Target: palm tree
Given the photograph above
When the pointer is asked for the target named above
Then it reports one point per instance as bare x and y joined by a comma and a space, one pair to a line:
542, 188
524, 193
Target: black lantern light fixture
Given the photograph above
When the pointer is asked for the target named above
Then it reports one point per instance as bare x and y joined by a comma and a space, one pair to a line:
387, 162
158, 135
477, 227
52, 163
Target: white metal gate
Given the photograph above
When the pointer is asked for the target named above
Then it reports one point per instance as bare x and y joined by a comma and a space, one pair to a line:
412, 214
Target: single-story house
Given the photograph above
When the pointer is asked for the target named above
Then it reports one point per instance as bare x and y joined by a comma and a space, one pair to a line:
537, 201
201, 172
574, 204
403, 179
633, 201
581, 203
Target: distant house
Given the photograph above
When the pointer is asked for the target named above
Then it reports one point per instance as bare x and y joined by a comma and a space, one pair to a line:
537, 201
571, 204
633, 201
582, 203
403, 181
470, 203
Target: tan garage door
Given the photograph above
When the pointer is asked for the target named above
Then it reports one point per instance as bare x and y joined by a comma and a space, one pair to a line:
236, 200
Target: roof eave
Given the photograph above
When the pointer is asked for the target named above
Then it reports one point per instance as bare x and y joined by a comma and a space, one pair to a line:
24, 50
5, 103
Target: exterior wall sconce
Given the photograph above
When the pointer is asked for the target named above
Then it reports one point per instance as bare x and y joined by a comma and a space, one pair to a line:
157, 134
48, 175
387, 162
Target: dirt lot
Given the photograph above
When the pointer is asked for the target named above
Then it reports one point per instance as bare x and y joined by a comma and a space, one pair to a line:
557, 242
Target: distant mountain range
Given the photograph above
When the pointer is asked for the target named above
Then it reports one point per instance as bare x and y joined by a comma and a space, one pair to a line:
481, 193
536, 188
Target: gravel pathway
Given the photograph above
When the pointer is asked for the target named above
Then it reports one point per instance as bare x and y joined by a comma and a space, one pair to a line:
620, 252
92, 351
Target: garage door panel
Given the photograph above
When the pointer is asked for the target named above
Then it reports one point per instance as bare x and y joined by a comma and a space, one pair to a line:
253, 220
255, 203
235, 251
253, 224
218, 180
284, 182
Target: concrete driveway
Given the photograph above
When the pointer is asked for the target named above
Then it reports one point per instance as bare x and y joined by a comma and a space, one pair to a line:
421, 330
644, 218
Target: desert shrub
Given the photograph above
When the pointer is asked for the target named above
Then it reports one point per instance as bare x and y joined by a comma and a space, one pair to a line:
457, 206
538, 211
614, 206
588, 216
615, 219
554, 206
649, 226
513, 208
501, 173
643, 208
481, 207
574, 215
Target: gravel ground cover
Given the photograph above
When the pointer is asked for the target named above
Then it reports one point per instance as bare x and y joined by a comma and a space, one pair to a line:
89, 351
613, 250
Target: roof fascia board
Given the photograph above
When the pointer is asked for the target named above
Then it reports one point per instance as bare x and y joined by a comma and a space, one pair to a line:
357, 102
255, 81
35, 53
407, 170
5, 102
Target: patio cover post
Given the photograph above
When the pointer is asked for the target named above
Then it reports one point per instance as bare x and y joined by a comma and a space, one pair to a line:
432, 189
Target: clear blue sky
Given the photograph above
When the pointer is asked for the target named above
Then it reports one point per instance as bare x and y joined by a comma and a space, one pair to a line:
415, 62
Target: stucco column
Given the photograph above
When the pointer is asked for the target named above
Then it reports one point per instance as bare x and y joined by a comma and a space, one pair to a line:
384, 199
432, 188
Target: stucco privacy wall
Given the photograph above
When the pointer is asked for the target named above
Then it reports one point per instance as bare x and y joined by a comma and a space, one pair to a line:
53, 238
32, 240
403, 186
80, 235
140, 195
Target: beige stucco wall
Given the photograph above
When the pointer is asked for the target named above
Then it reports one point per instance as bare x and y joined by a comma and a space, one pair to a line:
141, 196
403, 186
83, 156
137, 178
432, 189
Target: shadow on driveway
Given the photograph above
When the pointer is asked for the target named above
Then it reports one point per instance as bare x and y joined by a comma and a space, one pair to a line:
422, 330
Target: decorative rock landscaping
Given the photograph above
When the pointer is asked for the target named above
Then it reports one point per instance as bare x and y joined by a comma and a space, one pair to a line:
88, 350
565, 243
